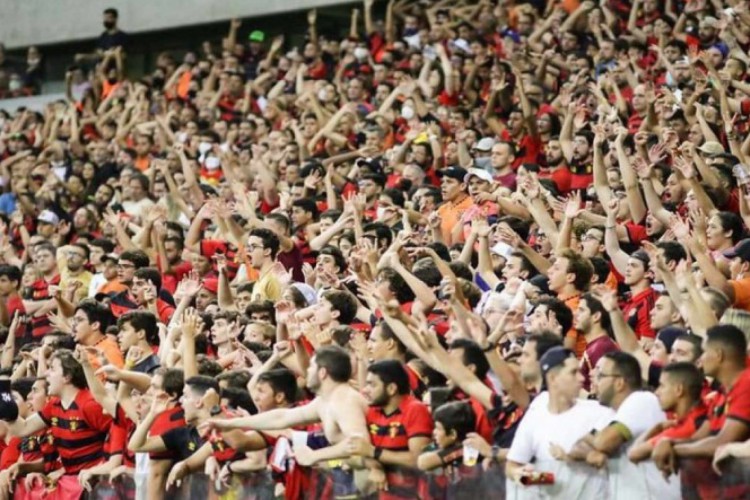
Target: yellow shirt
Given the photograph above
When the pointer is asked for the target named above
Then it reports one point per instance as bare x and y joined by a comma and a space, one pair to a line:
84, 278
267, 287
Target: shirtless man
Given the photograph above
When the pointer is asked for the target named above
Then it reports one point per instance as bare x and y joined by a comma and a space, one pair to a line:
337, 405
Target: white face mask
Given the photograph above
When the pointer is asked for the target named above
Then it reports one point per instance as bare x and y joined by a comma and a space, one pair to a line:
204, 147
407, 112
212, 163
483, 162
182, 137
322, 95
361, 53
380, 212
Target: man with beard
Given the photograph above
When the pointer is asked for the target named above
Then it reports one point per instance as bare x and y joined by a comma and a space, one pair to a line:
400, 427
539, 440
338, 406
577, 151
619, 386
592, 320
556, 167
72, 260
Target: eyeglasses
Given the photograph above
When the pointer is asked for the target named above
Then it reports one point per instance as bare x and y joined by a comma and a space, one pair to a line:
76, 254
125, 266
589, 237
255, 247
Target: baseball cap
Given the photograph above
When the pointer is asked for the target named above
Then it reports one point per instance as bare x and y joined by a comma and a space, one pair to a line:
311, 296
711, 148
741, 250
484, 144
211, 284
458, 173
478, 172
553, 358
668, 335
257, 36
48, 217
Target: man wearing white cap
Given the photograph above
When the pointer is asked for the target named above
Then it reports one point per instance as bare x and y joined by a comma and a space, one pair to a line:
47, 223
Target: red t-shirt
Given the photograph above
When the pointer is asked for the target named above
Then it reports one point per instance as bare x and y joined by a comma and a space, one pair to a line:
392, 432
685, 427
637, 312
733, 403
166, 421
79, 431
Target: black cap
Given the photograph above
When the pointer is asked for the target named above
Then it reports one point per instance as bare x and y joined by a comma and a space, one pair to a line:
554, 358
741, 250
374, 165
458, 173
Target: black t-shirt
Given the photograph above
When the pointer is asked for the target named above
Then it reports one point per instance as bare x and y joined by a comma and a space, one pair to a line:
182, 442
148, 365
111, 40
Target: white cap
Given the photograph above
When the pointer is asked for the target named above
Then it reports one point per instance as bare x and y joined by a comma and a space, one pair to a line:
484, 144
478, 172
49, 217
461, 44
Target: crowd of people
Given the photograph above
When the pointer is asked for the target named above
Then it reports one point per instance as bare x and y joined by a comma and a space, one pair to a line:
470, 248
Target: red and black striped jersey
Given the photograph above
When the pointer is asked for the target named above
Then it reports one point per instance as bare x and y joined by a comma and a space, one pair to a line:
392, 432
167, 420
40, 325
79, 431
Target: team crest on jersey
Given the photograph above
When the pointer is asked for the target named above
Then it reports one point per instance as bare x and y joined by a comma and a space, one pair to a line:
394, 427
191, 446
55, 422
74, 425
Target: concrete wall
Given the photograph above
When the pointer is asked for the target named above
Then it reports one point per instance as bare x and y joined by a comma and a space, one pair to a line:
39, 22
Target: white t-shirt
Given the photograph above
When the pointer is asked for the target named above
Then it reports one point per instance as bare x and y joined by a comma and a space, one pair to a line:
538, 430
639, 413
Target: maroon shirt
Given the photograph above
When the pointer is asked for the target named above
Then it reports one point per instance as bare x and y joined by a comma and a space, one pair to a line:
593, 353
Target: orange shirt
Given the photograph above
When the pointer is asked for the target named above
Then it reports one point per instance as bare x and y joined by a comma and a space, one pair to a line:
580, 348
113, 286
450, 215
143, 163
741, 293
111, 351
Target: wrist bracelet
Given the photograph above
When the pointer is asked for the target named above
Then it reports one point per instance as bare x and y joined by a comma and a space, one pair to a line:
377, 452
